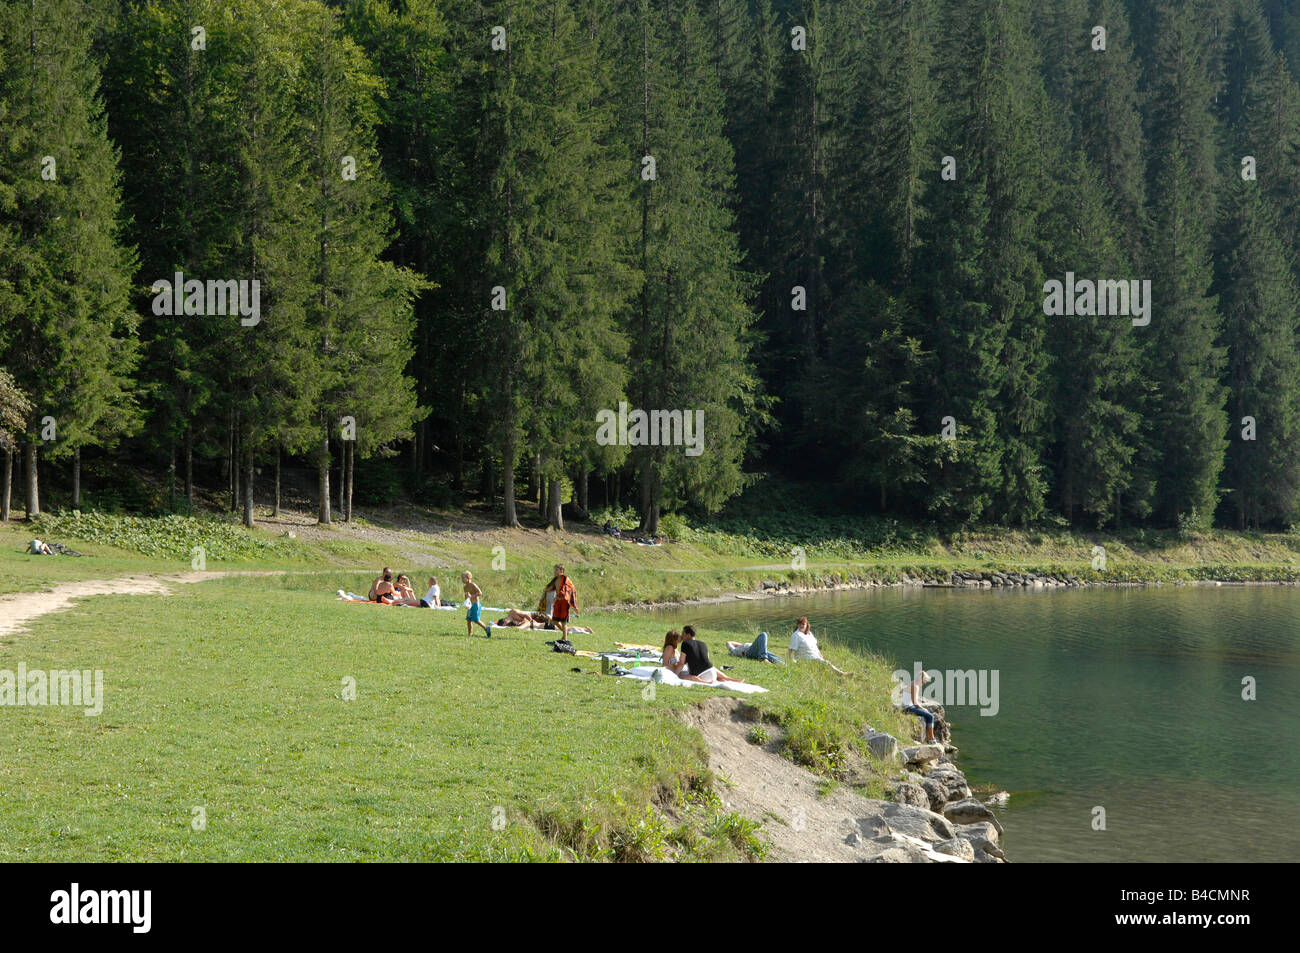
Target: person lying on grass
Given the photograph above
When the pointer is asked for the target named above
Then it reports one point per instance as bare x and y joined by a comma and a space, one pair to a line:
473, 616
519, 619
691, 663
803, 646
756, 650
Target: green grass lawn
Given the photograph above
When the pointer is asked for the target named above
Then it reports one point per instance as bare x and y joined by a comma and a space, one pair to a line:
229, 697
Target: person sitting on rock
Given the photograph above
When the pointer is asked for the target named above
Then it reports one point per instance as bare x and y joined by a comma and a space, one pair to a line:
912, 706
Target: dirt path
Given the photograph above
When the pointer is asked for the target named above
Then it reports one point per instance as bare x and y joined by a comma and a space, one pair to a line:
20, 609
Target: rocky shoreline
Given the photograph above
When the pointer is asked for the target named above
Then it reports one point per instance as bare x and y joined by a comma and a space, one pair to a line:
933, 817
956, 579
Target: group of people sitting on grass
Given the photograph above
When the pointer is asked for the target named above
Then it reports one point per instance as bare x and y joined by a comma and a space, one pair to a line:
388, 591
688, 658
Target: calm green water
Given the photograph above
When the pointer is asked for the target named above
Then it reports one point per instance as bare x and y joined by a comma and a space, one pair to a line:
1128, 699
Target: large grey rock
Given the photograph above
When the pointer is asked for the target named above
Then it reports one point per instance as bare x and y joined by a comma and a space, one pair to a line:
952, 780
919, 851
958, 847
893, 855
979, 833
913, 821
970, 811
913, 794
922, 754
882, 745
936, 792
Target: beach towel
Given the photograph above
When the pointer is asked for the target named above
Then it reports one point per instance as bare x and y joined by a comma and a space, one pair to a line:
647, 671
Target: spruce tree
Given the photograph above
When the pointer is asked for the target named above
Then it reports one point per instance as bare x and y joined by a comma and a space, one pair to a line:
1095, 366
1258, 297
359, 305
67, 331
690, 327
1186, 425
1109, 122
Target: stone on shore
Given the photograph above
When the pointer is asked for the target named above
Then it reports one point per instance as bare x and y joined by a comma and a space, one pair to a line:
882, 745
913, 821
936, 792
970, 811
958, 847
911, 794
921, 754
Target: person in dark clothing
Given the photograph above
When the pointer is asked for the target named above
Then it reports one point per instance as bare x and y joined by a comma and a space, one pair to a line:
693, 663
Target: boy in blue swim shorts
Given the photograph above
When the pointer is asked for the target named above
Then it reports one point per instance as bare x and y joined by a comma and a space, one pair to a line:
474, 594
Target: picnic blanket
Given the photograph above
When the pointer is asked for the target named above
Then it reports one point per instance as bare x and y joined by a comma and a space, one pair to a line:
647, 671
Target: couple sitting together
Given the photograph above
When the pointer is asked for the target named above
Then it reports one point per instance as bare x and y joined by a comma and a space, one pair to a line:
688, 658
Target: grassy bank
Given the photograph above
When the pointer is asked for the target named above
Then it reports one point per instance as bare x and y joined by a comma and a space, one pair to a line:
232, 699
232, 695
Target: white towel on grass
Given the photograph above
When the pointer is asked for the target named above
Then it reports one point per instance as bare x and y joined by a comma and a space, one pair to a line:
647, 671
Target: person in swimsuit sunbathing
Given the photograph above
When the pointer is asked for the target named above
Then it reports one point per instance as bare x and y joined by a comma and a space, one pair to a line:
405, 594
385, 576
386, 593
519, 619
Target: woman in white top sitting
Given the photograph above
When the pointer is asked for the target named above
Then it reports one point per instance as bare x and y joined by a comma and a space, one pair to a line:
803, 645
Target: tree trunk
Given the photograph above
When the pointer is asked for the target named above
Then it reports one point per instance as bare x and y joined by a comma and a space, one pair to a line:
486, 481
511, 517
6, 493
189, 467
534, 481
582, 490
650, 498
171, 474
76, 479
231, 470
275, 513
235, 444
248, 486
458, 471
555, 509
352, 469
543, 503
323, 478
33, 481
343, 456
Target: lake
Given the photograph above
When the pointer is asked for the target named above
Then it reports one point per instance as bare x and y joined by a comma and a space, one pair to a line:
1125, 699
